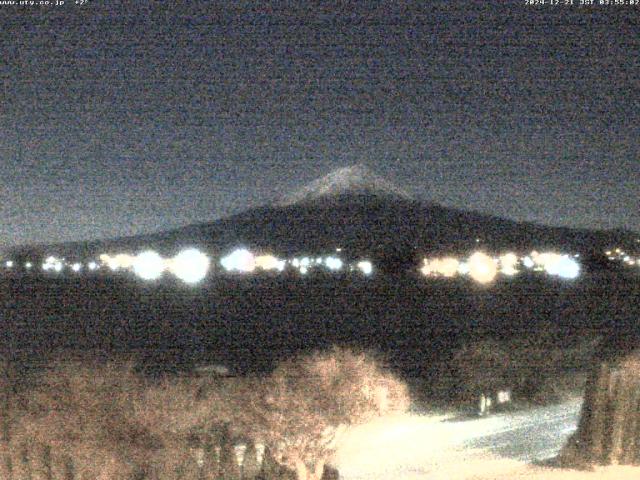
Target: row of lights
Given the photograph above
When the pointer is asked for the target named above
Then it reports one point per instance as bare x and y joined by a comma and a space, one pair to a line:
244, 261
483, 268
192, 266
619, 255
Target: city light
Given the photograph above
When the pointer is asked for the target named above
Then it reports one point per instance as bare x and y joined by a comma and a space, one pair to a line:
52, 263
546, 260
508, 264
148, 265
267, 262
110, 262
482, 268
124, 261
621, 256
446, 267
365, 267
305, 262
333, 263
190, 266
240, 260
426, 267
564, 267
528, 262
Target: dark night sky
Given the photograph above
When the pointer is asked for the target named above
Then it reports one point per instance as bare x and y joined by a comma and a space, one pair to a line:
123, 118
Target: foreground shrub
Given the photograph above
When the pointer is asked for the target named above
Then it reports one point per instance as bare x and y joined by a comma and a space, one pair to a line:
87, 412
302, 408
83, 420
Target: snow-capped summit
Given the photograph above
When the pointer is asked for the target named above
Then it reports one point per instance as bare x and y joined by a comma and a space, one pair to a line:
356, 180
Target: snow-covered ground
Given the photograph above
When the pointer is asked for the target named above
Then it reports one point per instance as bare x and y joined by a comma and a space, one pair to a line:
418, 447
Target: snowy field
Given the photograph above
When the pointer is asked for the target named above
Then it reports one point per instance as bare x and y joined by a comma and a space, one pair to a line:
501, 447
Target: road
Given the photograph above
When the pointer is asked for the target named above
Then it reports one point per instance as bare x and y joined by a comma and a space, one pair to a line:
537, 434
423, 447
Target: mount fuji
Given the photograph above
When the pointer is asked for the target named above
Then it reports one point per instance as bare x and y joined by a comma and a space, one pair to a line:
354, 180
363, 213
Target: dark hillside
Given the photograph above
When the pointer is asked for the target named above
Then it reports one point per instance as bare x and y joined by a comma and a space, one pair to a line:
360, 224
250, 323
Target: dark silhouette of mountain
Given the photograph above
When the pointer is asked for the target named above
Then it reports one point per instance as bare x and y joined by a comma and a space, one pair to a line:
364, 215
